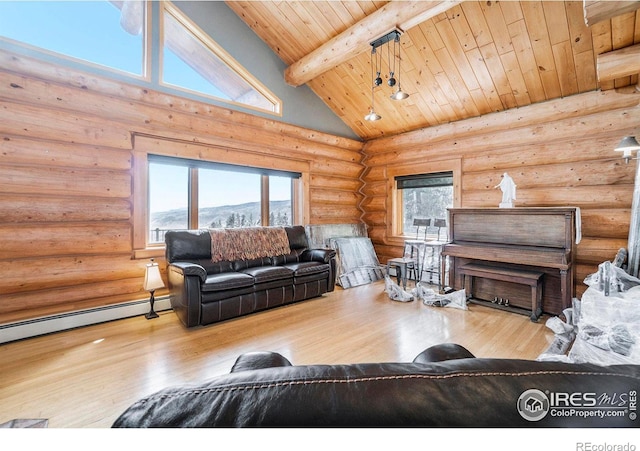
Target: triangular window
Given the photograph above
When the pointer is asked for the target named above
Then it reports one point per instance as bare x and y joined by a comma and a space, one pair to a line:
192, 60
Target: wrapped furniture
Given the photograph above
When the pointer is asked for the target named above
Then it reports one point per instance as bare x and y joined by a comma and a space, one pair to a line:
356, 260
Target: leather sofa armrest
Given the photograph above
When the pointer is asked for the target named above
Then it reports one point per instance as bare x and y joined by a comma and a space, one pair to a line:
185, 280
443, 352
319, 255
191, 269
259, 360
323, 256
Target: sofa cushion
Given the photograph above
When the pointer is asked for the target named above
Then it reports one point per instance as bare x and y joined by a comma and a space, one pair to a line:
187, 245
292, 257
227, 281
297, 237
240, 265
215, 296
443, 352
263, 274
307, 268
258, 360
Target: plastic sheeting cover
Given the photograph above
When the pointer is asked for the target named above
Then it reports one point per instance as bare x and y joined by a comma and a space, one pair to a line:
320, 235
604, 326
357, 262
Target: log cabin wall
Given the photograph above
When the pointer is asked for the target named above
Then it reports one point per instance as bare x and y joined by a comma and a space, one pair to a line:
66, 179
559, 153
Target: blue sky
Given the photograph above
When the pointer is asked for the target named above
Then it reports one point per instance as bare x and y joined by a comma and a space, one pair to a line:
217, 188
100, 40
91, 31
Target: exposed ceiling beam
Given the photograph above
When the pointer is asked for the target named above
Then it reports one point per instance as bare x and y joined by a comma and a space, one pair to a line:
597, 11
355, 40
618, 63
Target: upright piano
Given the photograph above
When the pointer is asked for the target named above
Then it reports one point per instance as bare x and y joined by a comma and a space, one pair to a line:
518, 240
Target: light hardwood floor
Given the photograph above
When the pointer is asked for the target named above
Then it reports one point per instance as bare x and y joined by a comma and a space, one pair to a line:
87, 377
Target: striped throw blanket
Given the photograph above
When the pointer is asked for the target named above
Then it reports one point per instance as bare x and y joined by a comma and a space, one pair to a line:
248, 243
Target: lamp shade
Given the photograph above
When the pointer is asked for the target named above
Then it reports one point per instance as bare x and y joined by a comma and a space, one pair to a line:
627, 144
372, 116
399, 94
152, 279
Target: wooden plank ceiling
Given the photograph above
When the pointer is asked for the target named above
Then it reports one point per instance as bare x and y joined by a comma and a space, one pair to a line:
474, 58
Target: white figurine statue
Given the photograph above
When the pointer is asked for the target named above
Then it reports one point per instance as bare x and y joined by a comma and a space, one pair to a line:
508, 188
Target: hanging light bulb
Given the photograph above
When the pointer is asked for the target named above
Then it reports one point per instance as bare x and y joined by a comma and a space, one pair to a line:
399, 94
372, 115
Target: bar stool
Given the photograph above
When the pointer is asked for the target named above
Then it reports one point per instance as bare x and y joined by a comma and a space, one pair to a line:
403, 265
414, 248
435, 255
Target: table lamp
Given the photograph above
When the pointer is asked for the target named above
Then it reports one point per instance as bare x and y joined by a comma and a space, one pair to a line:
152, 281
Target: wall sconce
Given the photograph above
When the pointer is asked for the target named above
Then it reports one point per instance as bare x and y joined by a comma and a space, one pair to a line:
394, 76
152, 281
628, 145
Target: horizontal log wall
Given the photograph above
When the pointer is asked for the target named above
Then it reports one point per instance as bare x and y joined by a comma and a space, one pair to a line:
560, 153
66, 179
66, 175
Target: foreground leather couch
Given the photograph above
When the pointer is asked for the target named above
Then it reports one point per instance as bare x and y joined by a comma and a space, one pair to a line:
444, 386
203, 291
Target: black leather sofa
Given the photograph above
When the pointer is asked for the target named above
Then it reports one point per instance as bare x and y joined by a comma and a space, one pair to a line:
204, 292
445, 386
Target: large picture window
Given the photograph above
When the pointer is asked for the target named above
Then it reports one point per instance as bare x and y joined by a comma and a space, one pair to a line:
108, 33
119, 36
193, 194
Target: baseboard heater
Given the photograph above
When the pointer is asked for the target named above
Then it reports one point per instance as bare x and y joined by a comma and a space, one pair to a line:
57, 323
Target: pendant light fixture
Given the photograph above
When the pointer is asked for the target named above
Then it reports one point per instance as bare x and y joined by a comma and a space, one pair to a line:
393, 55
372, 115
399, 94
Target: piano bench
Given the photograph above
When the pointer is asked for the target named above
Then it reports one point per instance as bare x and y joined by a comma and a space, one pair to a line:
521, 276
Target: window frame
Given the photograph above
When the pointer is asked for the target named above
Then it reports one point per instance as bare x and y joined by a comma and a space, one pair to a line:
147, 45
405, 184
153, 38
144, 145
194, 168
208, 42
395, 235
